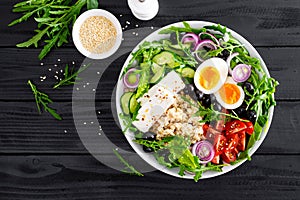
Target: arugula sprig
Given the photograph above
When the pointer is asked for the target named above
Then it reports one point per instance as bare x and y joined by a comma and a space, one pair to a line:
187, 28
129, 169
70, 76
53, 18
42, 100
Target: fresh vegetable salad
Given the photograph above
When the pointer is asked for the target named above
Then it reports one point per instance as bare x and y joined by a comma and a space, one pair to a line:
197, 99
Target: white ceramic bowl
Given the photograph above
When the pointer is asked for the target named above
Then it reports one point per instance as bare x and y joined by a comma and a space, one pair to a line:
76, 29
150, 158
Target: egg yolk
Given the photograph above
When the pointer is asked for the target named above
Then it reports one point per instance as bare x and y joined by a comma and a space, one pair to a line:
209, 77
230, 93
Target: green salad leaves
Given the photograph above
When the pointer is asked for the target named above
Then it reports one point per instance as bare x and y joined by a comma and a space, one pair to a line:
54, 19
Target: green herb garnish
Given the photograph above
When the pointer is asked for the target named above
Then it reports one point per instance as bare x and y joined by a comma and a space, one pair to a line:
42, 100
70, 77
129, 169
53, 17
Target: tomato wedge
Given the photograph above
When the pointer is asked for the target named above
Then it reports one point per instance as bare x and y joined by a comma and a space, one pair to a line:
234, 126
250, 128
219, 144
232, 142
228, 156
241, 141
216, 160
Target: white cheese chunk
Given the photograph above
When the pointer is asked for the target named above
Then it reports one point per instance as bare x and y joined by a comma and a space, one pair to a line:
157, 100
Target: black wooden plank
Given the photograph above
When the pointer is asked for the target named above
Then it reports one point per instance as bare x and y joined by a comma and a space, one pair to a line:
264, 23
17, 66
82, 177
23, 130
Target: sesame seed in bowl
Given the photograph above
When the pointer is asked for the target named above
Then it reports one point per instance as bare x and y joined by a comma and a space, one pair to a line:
97, 34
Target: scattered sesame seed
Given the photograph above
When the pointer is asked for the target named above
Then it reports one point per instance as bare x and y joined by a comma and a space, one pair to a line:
42, 63
152, 27
133, 33
127, 22
41, 77
61, 71
99, 112
94, 90
87, 83
116, 149
65, 131
49, 69
55, 65
60, 79
58, 60
42, 80
84, 122
98, 72
83, 86
136, 34
73, 62
92, 122
99, 133
122, 39
136, 25
121, 15
126, 26
56, 72
77, 88
123, 28
56, 77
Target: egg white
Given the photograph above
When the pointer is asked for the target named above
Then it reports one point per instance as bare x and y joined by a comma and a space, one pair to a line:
235, 105
220, 65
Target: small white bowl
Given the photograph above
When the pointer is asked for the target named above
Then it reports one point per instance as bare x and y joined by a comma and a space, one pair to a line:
79, 22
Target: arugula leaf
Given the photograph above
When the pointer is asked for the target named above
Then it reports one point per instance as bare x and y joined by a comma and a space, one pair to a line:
43, 99
221, 29
53, 21
69, 77
128, 168
187, 28
92, 4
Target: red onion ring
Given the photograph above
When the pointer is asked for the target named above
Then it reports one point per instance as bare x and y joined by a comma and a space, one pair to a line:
204, 43
241, 73
126, 82
192, 36
204, 150
214, 39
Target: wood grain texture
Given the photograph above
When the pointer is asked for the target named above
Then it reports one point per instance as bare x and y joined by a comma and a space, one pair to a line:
264, 23
23, 130
283, 64
82, 177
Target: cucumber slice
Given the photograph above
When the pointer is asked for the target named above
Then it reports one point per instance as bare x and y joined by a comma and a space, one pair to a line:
188, 72
158, 75
163, 58
133, 104
125, 98
155, 67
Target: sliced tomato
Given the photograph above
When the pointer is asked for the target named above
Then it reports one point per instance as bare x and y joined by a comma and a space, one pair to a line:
235, 151
216, 160
219, 144
205, 128
234, 126
228, 156
250, 128
232, 142
242, 141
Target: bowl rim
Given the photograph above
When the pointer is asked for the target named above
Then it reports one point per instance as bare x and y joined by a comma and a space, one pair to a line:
150, 158
82, 18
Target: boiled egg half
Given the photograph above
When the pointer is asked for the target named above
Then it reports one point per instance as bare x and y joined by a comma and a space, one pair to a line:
230, 95
211, 75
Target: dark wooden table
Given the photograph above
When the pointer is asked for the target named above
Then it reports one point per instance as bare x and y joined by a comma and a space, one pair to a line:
42, 158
